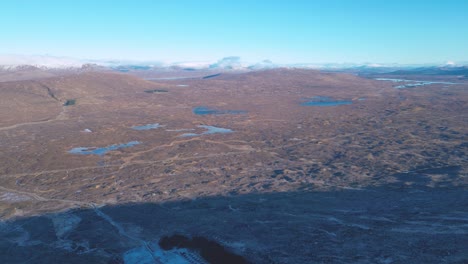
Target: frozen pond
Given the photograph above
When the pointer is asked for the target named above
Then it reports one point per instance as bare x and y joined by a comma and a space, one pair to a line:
146, 127
411, 83
209, 130
203, 110
325, 101
103, 150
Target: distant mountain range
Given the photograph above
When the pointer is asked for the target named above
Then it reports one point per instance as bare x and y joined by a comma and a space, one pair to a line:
10, 64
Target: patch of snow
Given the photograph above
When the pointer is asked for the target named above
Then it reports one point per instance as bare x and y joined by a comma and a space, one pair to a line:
41, 61
450, 63
198, 65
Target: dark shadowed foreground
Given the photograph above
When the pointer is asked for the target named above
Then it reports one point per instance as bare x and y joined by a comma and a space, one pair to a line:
394, 224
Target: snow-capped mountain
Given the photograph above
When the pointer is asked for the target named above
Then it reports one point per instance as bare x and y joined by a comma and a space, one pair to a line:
231, 63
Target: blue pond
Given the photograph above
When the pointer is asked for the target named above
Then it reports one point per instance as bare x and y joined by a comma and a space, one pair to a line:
169, 78
209, 130
202, 110
101, 151
411, 83
325, 101
180, 130
147, 127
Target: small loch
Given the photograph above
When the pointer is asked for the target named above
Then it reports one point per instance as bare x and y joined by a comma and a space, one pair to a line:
325, 101
101, 151
403, 83
203, 110
156, 91
147, 127
209, 131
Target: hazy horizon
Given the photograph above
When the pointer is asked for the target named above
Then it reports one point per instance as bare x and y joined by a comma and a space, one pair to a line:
51, 61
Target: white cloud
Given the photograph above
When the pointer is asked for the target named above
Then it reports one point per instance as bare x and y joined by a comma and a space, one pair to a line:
265, 64
228, 63
193, 64
8, 61
450, 63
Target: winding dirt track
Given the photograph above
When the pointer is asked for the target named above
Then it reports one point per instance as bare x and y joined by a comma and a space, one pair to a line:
60, 116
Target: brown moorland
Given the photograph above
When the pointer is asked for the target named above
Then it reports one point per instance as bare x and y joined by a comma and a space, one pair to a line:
382, 139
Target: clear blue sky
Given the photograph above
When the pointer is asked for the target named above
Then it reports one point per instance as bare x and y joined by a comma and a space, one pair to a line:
288, 31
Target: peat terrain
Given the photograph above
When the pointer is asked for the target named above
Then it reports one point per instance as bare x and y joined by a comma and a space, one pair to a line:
274, 166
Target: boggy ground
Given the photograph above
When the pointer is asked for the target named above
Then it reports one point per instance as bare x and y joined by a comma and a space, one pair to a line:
387, 138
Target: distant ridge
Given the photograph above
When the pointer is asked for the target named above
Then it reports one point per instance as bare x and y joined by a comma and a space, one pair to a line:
461, 70
22, 67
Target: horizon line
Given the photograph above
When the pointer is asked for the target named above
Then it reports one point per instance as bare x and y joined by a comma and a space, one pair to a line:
47, 60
